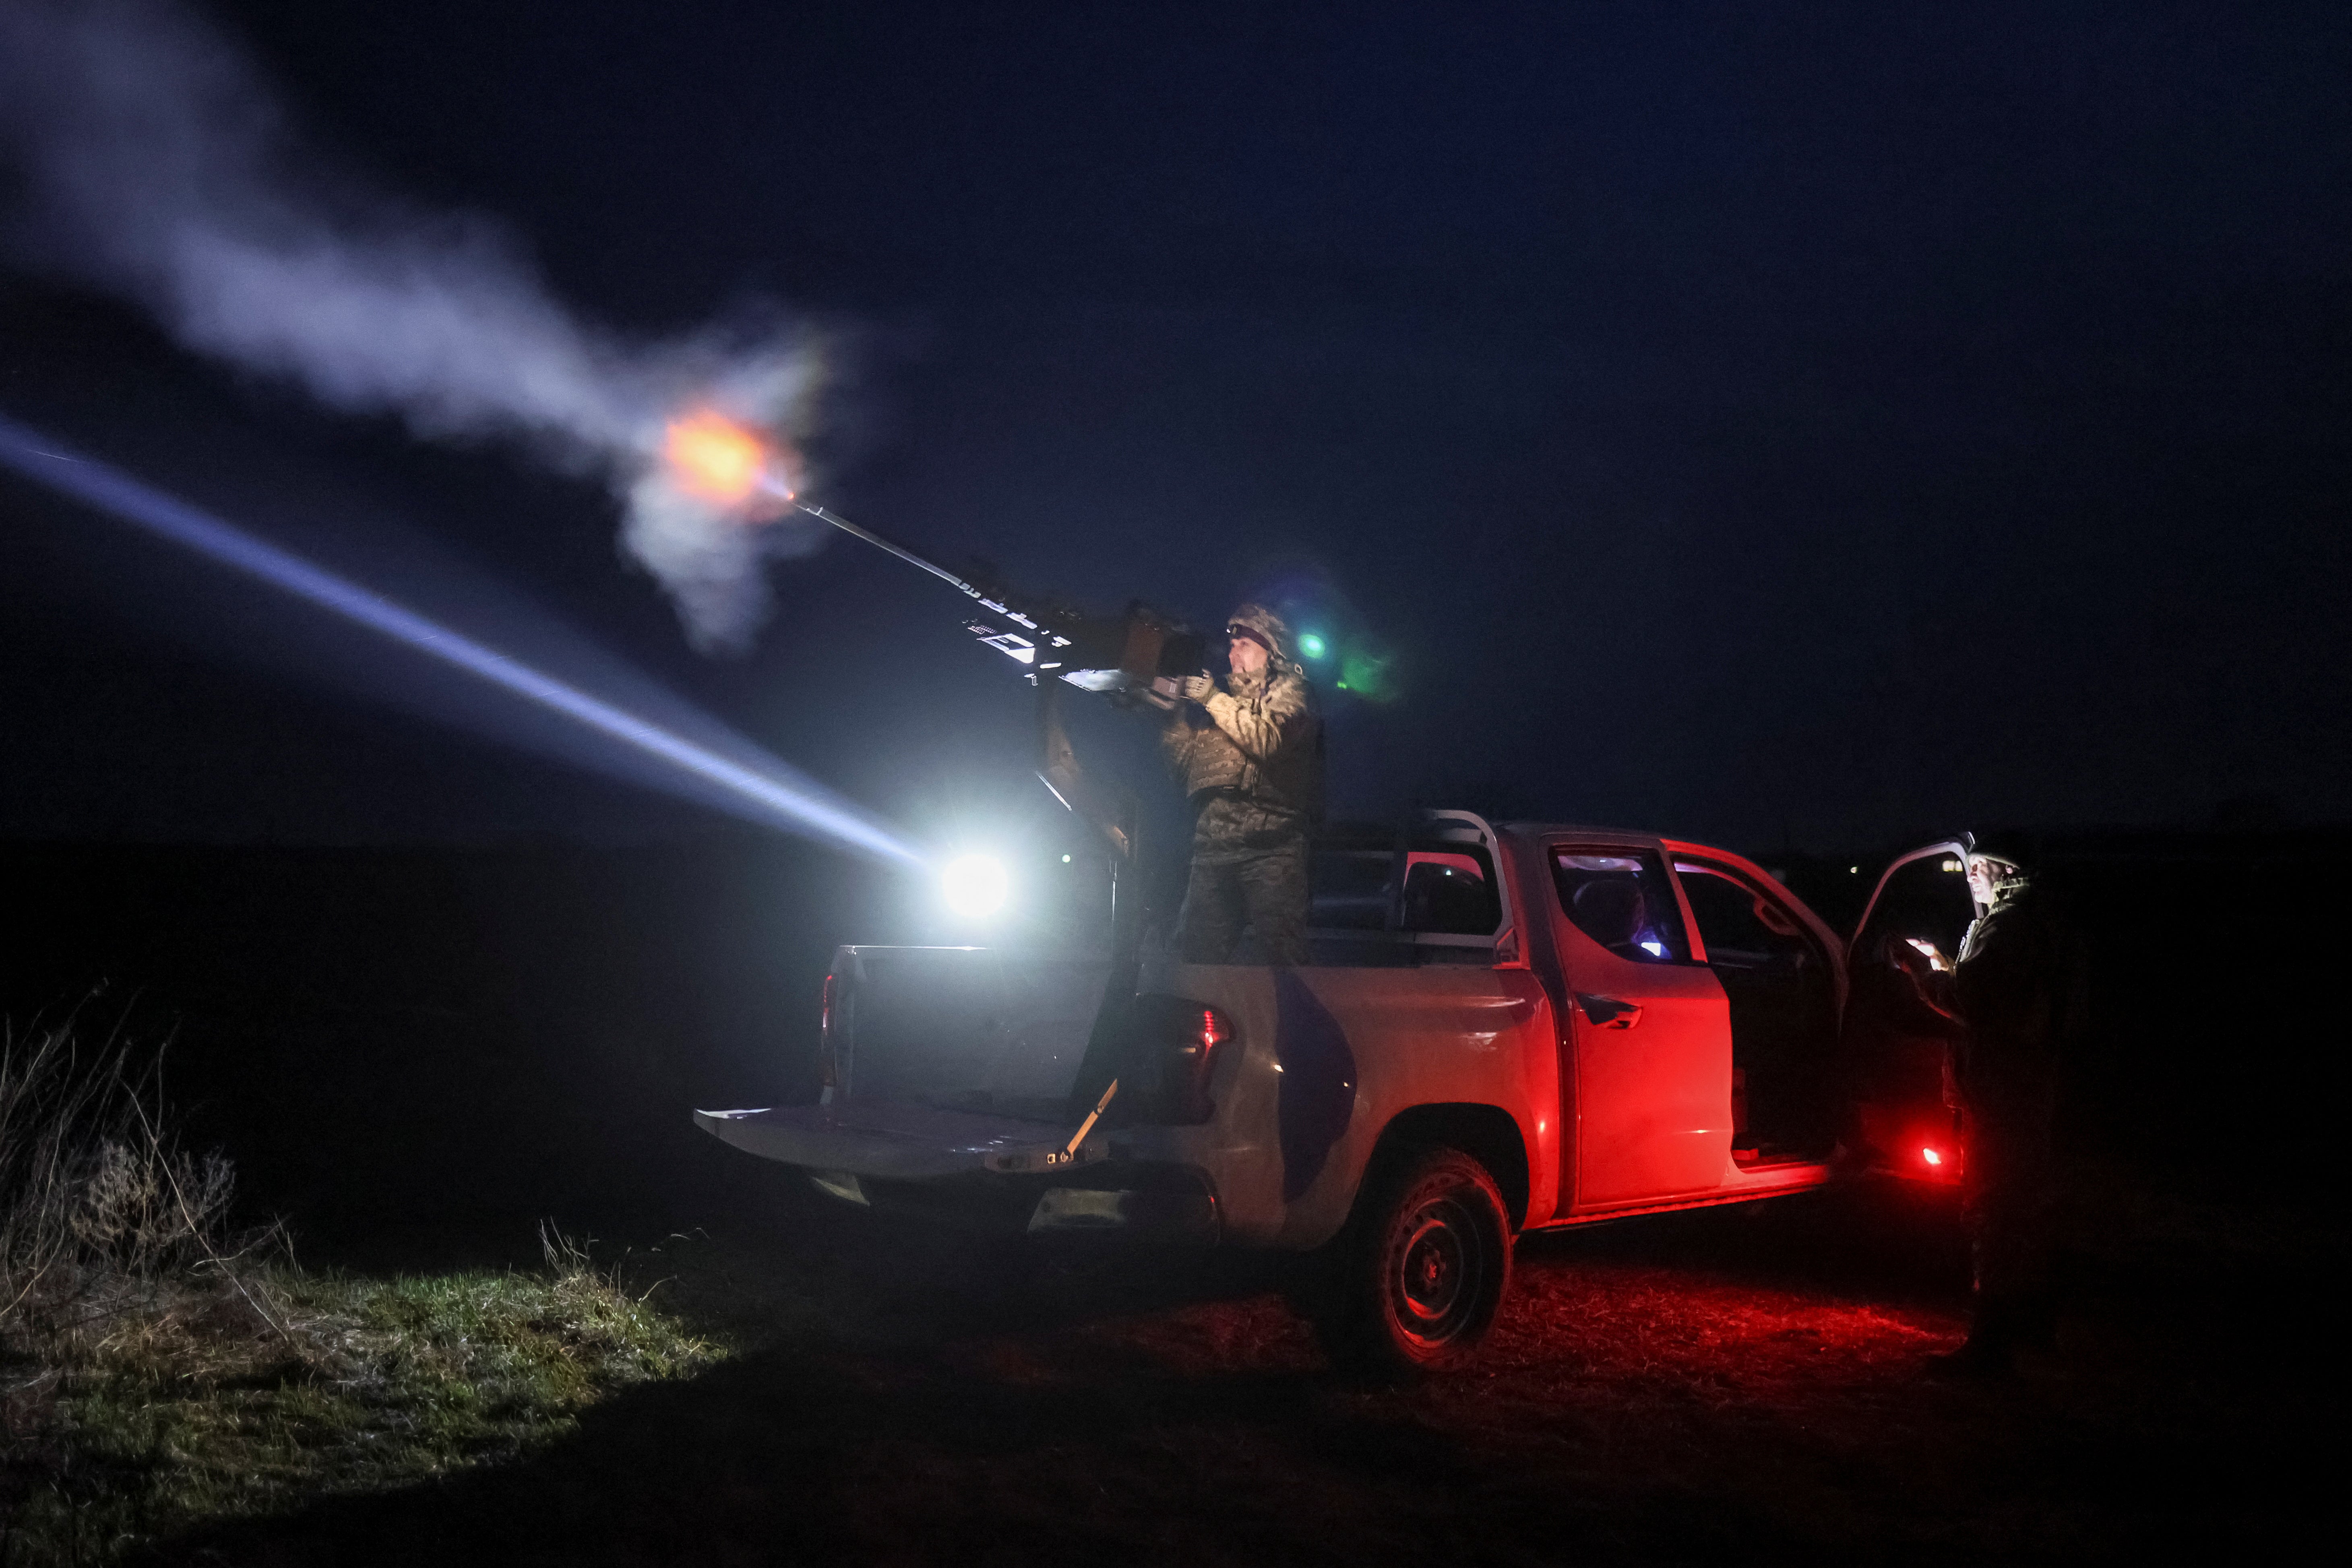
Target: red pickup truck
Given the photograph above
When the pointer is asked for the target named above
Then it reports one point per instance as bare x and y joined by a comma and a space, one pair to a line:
1507, 1027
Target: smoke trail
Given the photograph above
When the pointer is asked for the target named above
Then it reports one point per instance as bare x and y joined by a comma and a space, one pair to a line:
154, 162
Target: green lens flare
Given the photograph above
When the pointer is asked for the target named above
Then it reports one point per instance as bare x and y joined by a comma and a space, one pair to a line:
1365, 674
1312, 645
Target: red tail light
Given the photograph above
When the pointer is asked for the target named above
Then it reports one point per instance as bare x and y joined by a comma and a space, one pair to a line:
1178, 1042
1213, 1031
1195, 1058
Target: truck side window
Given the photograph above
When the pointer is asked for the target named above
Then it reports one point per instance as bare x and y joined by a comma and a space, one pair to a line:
1742, 927
1622, 900
1450, 892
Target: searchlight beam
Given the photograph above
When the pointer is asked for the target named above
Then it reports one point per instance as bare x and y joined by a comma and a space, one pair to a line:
774, 793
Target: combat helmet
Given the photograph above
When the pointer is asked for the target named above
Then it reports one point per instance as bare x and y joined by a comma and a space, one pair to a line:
1265, 629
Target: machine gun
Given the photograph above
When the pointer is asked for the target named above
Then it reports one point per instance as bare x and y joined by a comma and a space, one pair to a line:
1134, 657
1137, 655
1123, 656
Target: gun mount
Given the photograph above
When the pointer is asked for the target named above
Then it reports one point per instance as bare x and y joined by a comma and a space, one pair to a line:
1120, 656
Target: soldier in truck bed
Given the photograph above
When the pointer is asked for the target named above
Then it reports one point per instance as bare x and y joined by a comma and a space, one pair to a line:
1254, 773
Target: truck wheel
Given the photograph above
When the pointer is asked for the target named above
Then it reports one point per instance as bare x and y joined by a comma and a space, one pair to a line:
1427, 1265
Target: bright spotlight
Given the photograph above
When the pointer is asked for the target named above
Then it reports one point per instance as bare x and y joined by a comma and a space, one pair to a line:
975, 885
1312, 645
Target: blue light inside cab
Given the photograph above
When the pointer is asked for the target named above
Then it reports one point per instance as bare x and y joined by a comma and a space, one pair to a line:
1653, 948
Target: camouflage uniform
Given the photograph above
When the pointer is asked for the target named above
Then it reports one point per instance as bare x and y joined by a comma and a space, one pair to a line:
2019, 986
1253, 774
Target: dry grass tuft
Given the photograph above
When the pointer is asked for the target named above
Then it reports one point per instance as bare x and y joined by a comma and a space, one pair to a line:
102, 1212
156, 1372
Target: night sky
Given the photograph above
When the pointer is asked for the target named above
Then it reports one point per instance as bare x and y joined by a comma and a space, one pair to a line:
1805, 425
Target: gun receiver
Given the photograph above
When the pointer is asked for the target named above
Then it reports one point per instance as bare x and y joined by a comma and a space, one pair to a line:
1123, 655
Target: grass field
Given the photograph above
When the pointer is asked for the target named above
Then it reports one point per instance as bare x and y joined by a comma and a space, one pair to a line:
158, 1372
211, 1400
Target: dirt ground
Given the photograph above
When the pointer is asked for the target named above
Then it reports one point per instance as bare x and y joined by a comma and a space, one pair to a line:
1736, 1386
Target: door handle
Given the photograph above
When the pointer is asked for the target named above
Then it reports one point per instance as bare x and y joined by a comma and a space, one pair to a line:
1608, 1013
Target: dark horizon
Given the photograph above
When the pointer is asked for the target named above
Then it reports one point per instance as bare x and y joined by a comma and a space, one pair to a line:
1772, 431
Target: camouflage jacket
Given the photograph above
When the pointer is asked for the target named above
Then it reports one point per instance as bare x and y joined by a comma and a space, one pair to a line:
2021, 987
1255, 771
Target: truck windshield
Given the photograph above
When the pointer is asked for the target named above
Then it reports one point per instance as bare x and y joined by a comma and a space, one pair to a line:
1621, 899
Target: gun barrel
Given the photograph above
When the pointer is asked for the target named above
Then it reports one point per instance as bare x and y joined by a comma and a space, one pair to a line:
1096, 653
875, 539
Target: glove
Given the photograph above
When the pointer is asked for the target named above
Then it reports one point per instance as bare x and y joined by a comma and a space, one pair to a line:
1196, 688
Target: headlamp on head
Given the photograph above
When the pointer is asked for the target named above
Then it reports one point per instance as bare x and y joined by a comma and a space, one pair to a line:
2003, 879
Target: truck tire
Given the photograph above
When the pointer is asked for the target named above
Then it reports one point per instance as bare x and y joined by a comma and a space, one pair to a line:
1417, 1277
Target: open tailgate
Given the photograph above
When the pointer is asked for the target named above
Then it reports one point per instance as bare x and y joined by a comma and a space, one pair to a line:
895, 1140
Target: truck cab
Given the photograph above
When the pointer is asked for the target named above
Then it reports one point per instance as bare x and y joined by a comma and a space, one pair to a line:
1507, 1026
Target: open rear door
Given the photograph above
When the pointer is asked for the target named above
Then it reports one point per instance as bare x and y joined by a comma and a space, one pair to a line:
1893, 1046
